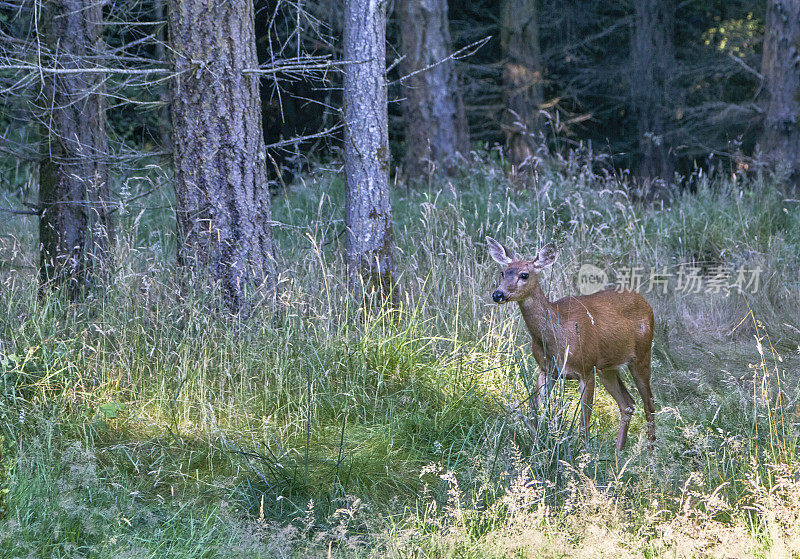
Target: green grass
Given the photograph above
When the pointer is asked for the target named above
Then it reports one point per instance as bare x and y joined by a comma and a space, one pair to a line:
140, 424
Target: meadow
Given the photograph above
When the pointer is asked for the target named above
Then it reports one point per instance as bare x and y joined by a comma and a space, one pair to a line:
143, 422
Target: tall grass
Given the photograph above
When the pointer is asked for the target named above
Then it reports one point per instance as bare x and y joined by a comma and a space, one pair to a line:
140, 423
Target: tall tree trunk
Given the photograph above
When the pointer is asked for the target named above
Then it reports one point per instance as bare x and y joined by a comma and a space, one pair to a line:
522, 79
652, 61
435, 121
75, 229
780, 65
368, 208
218, 150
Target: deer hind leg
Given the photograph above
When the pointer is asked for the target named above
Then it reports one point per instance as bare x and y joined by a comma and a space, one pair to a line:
613, 383
640, 369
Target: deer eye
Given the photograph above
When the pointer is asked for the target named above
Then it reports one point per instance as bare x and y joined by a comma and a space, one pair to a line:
523, 275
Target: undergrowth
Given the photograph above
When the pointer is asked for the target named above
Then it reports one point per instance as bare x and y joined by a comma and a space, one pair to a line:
140, 423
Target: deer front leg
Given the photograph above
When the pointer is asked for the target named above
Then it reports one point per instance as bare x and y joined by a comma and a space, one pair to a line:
542, 389
587, 399
540, 394
539, 399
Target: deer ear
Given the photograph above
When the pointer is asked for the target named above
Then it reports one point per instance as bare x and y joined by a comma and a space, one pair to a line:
499, 253
547, 255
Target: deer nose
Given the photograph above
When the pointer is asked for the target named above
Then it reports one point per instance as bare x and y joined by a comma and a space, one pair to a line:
498, 296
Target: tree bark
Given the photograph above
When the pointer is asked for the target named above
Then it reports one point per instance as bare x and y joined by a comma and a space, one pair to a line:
75, 229
435, 121
368, 208
522, 79
652, 61
218, 150
780, 66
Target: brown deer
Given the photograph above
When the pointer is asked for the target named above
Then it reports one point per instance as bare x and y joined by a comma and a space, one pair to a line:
597, 334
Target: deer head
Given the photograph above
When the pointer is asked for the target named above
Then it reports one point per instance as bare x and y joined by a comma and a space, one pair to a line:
519, 278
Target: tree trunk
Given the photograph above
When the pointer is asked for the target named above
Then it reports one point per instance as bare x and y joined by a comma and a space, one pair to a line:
218, 150
368, 209
75, 229
653, 60
522, 79
435, 121
780, 65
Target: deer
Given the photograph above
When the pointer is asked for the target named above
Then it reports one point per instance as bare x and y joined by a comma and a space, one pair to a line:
583, 337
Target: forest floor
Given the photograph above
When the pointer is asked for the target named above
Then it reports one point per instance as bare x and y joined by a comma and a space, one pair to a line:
143, 423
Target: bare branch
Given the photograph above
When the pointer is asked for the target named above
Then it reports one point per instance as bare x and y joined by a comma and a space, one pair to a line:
463, 52
67, 71
298, 139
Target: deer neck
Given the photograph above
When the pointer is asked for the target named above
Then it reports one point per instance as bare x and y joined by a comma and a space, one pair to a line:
535, 312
